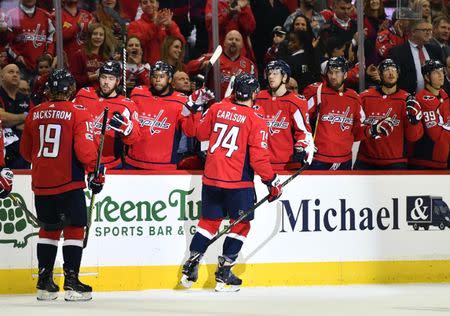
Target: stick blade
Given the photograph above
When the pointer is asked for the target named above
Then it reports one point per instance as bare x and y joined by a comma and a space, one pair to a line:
216, 55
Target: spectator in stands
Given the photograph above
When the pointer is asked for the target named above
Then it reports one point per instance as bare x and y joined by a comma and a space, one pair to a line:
301, 59
30, 35
396, 34
172, 52
292, 85
441, 33
110, 15
278, 36
233, 15
24, 88
75, 26
231, 61
100, 46
268, 15
13, 109
197, 17
3, 58
424, 7
138, 72
152, 28
306, 8
181, 82
180, 9
339, 21
412, 55
374, 22
38, 85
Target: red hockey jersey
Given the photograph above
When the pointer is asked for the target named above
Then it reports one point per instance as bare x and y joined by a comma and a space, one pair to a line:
340, 122
113, 147
81, 64
432, 150
237, 146
75, 29
392, 149
287, 120
386, 40
30, 36
58, 141
161, 122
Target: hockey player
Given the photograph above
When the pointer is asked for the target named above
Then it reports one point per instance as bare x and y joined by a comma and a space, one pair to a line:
162, 119
123, 125
286, 115
238, 147
405, 111
339, 119
432, 151
58, 141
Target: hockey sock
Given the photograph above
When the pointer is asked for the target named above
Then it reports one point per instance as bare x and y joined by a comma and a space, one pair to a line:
206, 230
47, 247
235, 239
73, 248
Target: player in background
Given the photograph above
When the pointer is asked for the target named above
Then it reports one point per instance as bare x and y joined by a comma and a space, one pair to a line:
389, 101
6, 174
339, 118
432, 150
58, 141
123, 126
162, 119
238, 148
287, 119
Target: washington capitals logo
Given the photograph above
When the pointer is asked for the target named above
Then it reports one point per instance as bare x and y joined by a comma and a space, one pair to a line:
37, 39
97, 124
344, 119
154, 122
275, 125
374, 118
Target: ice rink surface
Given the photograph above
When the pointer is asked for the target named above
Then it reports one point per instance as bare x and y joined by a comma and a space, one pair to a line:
365, 300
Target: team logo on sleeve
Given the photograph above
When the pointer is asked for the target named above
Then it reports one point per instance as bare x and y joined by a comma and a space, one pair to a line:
155, 122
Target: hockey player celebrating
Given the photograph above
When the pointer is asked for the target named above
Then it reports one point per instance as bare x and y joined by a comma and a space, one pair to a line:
123, 126
287, 119
432, 151
162, 119
339, 119
58, 141
238, 147
405, 111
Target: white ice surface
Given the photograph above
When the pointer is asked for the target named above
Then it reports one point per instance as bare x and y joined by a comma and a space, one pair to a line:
365, 300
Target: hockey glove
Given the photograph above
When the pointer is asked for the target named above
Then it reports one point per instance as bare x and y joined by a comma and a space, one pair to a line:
382, 128
121, 124
305, 149
413, 110
96, 184
198, 99
274, 187
6, 182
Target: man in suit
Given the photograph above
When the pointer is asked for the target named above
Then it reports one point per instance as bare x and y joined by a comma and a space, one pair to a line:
441, 33
411, 55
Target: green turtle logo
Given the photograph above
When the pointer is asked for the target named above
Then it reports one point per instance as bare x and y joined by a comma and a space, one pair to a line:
13, 223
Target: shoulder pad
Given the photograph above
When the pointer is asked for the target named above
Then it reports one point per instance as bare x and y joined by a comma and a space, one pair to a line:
79, 107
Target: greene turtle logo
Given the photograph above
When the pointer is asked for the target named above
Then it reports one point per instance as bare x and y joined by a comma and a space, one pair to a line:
14, 222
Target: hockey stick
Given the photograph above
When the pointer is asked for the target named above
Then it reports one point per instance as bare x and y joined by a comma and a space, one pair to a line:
230, 87
215, 56
251, 210
96, 172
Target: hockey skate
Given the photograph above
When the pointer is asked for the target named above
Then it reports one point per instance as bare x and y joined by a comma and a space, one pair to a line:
47, 290
226, 280
75, 290
190, 270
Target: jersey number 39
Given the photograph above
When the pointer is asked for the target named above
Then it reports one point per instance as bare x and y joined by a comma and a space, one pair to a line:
227, 138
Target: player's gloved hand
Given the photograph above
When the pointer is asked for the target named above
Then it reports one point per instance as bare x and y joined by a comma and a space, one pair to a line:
413, 110
198, 99
274, 187
96, 183
382, 128
6, 182
305, 149
121, 123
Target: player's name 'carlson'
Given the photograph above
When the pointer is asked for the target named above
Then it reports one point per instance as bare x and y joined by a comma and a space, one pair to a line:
230, 116
52, 114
